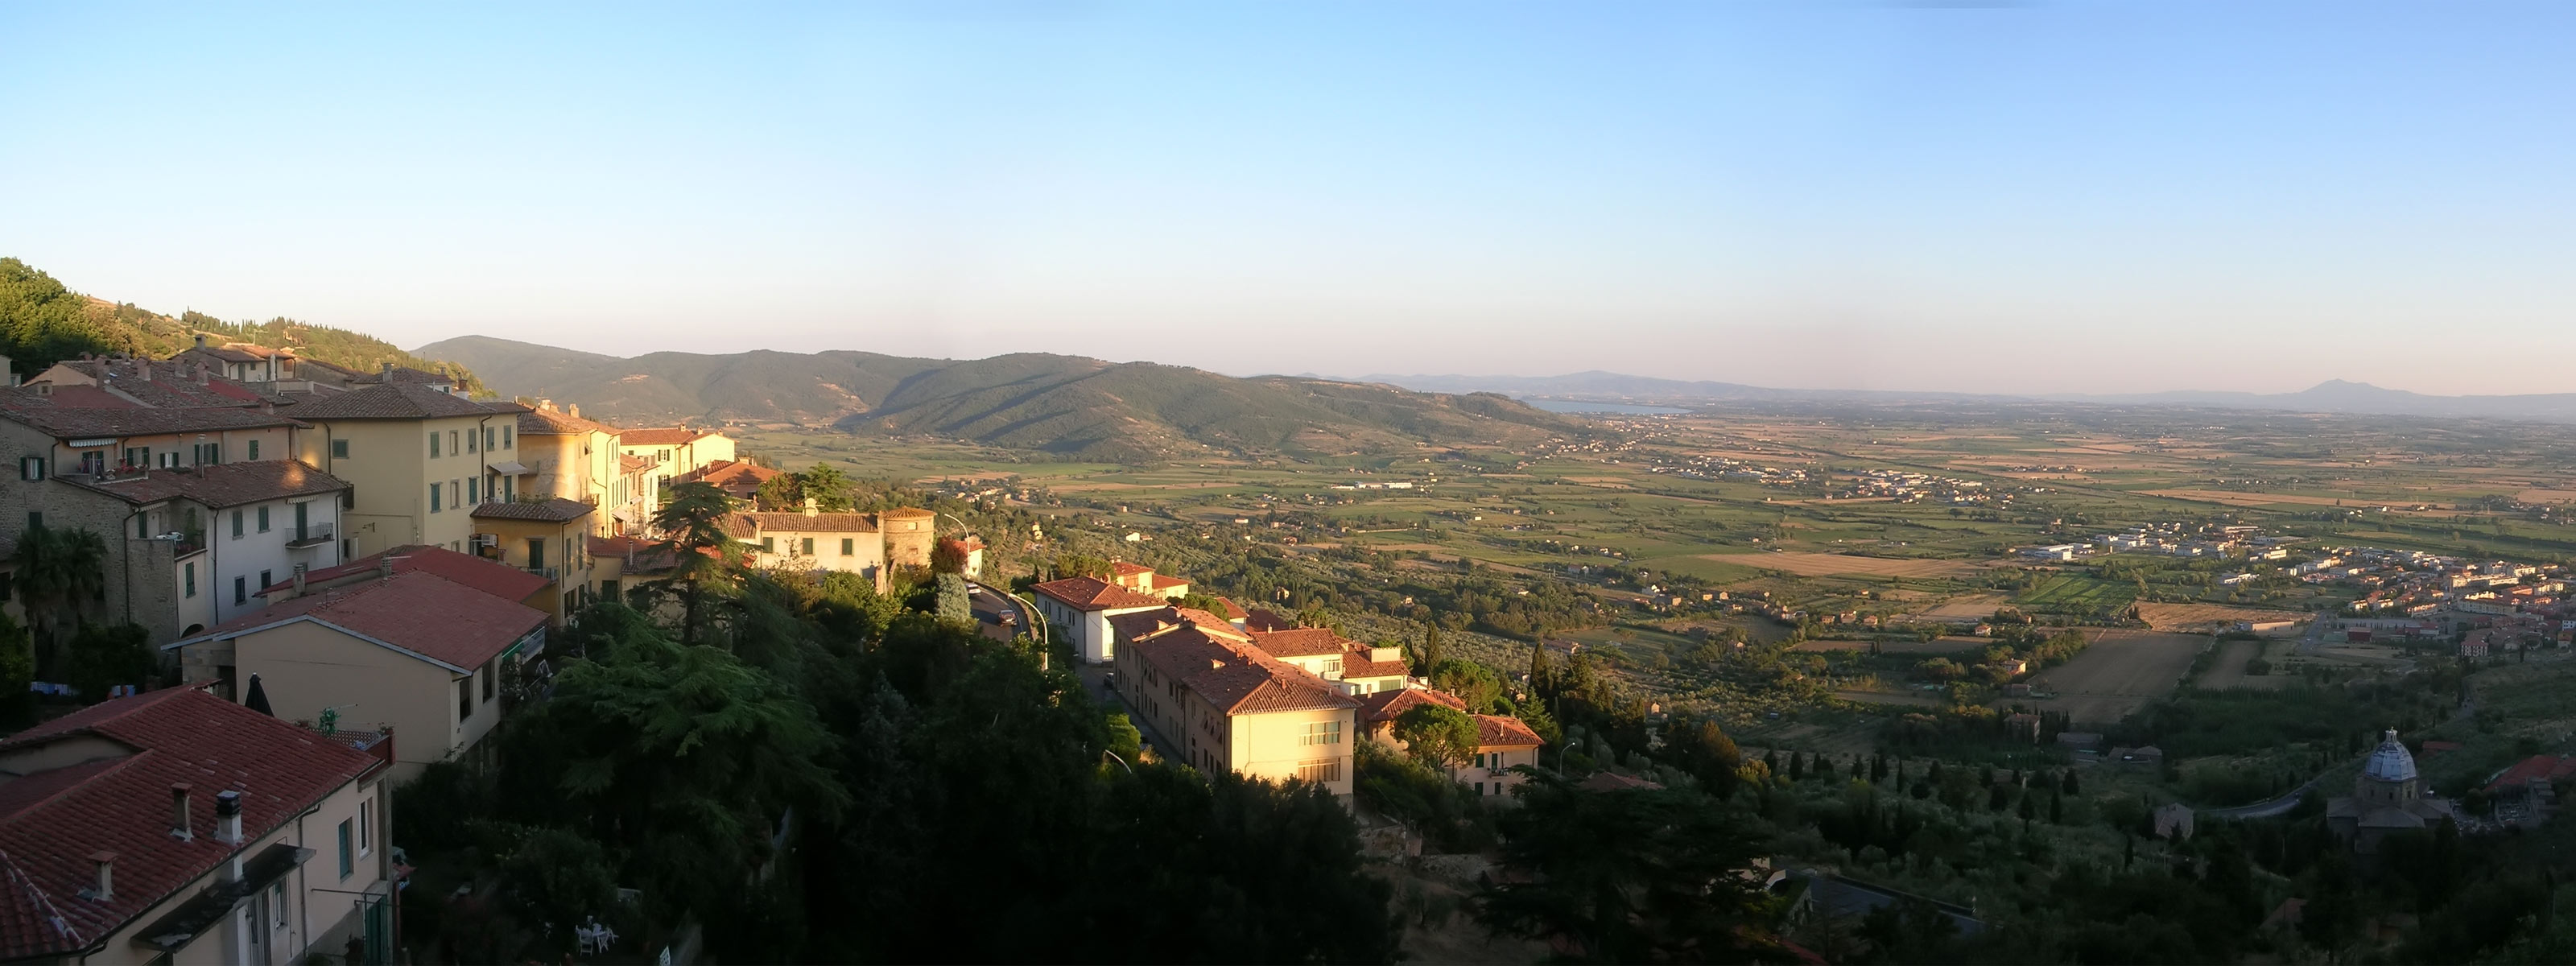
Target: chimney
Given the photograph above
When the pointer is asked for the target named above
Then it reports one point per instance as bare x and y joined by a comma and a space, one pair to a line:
201, 340
299, 580
143, 369
389, 370
201, 373
573, 410
105, 888
179, 828
546, 404
268, 407
385, 566
228, 817
812, 507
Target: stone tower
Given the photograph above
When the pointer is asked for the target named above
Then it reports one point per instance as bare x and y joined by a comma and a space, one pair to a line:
908, 535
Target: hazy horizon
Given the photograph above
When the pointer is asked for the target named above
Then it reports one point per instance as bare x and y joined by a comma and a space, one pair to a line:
2024, 199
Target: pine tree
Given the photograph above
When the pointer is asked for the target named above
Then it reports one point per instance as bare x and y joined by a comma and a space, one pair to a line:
2056, 809
2069, 785
1878, 768
1797, 766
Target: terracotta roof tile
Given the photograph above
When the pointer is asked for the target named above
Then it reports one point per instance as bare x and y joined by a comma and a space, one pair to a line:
729, 474
633, 464
491, 577
1357, 665
1236, 677
1090, 593
1264, 619
51, 822
555, 422
1302, 642
1385, 706
218, 486
471, 626
1496, 731
1129, 570
1140, 625
173, 384
62, 423
555, 510
749, 525
402, 400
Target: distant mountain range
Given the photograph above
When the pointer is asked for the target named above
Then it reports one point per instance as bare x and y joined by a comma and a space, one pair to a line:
2331, 396
1066, 405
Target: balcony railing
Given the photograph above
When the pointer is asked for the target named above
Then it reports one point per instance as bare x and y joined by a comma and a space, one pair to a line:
545, 572
309, 535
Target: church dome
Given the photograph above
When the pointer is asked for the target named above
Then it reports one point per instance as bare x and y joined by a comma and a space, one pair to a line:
2390, 762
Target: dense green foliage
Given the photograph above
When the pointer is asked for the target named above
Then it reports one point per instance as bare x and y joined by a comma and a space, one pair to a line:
42, 323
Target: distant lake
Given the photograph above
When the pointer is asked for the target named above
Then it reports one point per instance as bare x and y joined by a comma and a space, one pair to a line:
1625, 409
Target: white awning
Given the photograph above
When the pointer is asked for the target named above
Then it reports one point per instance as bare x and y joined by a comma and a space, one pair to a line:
510, 469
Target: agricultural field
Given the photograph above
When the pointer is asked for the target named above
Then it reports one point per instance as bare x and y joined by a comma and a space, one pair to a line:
2075, 594
2119, 672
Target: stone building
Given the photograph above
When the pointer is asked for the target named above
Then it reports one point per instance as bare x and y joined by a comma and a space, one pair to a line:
2388, 797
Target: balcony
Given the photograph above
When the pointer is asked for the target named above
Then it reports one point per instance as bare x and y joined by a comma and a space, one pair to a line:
309, 535
545, 572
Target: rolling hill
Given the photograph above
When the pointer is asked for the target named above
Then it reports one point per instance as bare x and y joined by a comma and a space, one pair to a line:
1066, 405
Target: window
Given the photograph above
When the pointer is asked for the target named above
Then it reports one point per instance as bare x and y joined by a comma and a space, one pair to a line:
35, 518
366, 825
188, 577
434, 495
1320, 772
264, 581
472, 489
451, 442
263, 519
433, 445
252, 451
1322, 733
209, 454
237, 524
348, 861
464, 699
768, 545
536, 552
806, 547
505, 436
1332, 666
241, 594
456, 488
848, 545
138, 456
1480, 788
487, 437
339, 449
31, 467
488, 676
470, 442
277, 903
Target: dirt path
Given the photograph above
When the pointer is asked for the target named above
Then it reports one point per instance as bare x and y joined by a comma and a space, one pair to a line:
2118, 673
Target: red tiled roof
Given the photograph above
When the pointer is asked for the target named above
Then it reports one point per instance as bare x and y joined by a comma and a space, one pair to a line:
1144, 624
1237, 678
1358, 665
2547, 768
1089, 593
728, 474
218, 486
63, 423
173, 384
1162, 582
1129, 570
633, 464
555, 422
1228, 609
638, 555
1383, 706
470, 626
51, 822
497, 579
401, 400
1496, 731
658, 436
65, 397
554, 510
1264, 619
749, 525
1302, 642
1604, 781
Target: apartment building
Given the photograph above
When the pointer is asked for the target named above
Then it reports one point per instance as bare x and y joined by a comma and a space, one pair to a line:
1083, 608
410, 651
569, 457
1502, 743
1357, 668
417, 460
545, 538
176, 827
234, 528
1214, 702
859, 543
671, 452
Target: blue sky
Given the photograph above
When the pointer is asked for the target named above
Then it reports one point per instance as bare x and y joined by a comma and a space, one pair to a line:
2063, 197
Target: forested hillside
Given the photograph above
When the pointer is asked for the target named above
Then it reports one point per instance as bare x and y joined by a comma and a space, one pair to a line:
1067, 405
43, 322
